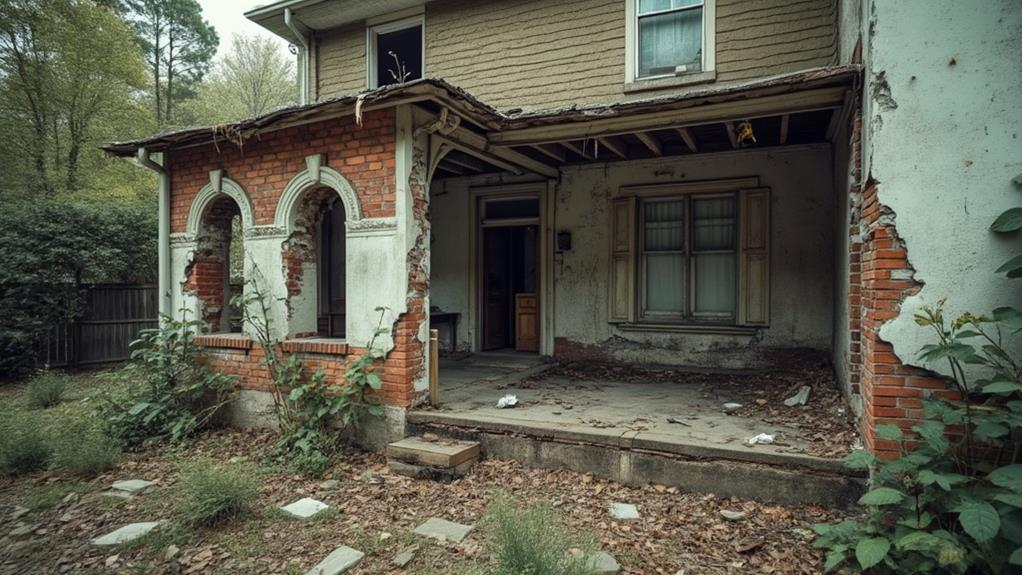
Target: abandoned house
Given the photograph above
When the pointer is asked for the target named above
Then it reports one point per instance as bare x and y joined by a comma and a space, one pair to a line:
706, 183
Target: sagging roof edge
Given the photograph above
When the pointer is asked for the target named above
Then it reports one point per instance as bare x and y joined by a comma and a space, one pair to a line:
471, 108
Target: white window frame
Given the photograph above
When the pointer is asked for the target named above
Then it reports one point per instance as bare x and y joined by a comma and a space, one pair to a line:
688, 315
709, 58
373, 32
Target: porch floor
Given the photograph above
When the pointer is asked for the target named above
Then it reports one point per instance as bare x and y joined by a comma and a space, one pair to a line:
671, 409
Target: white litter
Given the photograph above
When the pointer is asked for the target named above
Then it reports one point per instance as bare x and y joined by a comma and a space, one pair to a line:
800, 398
509, 400
763, 438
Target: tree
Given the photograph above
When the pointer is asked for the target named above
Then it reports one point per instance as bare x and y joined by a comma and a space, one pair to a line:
179, 46
254, 78
69, 71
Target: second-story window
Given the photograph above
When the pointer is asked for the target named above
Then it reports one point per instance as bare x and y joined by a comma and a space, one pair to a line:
670, 37
396, 52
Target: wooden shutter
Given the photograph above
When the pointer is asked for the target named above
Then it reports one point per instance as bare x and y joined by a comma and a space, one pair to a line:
622, 260
754, 257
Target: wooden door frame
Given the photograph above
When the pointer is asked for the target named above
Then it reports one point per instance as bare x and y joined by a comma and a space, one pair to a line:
477, 195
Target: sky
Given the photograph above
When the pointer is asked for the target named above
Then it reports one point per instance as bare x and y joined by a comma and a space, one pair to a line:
228, 17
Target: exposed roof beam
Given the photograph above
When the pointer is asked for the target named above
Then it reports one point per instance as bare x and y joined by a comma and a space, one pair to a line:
805, 101
690, 140
784, 128
614, 145
651, 142
466, 162
732, 134
447, 167
551, 151
580, 150
476, 145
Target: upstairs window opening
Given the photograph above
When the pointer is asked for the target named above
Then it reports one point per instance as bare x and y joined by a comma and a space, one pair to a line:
670, 37
396, 52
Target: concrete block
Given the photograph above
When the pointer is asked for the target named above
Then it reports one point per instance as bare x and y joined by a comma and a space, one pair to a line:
339, 561
624, 511
443, 530
304, 508
439, 453
125, 534
605, 564
132, 486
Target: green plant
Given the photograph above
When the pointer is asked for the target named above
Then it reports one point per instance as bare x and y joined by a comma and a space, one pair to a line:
46, 389
49, 495
170, 393
311, 412
80, 447
24, 445
211, 494
532, 540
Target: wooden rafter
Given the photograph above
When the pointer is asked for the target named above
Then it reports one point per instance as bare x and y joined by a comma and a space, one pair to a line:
651, 142
784, 128
466, 162
448, 167
551, 151
614, 145
580, 150
690, 139
732, 134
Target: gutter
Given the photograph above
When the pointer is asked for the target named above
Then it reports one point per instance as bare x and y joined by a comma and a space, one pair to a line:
163, 239
303, 55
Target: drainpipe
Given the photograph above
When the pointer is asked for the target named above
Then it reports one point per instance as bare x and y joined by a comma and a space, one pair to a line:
164, 229
303, 56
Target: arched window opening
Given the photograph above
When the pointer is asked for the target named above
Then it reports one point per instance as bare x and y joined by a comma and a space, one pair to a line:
314, 261
217, 269
331, 271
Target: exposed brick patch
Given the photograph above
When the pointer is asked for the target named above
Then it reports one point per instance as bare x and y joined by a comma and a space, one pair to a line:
206, 276
314, 346
225, 341
880, 281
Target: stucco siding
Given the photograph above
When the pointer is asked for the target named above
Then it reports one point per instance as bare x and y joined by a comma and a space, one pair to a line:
534, 54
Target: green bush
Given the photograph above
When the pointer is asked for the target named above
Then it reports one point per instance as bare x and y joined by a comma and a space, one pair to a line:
169, 392
24, 445
81, 448
46, 389
212, 494
532, 540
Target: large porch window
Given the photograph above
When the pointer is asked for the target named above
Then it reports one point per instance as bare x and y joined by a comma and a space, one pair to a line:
688, 258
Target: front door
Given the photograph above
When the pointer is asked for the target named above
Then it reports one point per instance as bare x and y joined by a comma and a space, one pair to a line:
510, 283
496, 287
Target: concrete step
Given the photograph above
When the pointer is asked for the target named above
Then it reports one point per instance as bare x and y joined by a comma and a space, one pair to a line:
432, 457
633, 459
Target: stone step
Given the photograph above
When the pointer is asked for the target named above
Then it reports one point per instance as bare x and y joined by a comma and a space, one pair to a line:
431, 451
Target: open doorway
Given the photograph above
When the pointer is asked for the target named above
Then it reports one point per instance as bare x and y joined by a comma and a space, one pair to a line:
510, 274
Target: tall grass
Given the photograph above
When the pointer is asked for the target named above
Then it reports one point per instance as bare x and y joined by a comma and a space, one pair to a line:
81, 448
213, 494
46, 389
24, 444
533, 540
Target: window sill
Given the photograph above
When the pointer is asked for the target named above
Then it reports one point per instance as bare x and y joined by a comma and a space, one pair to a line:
320, 345
224, 340
672, 82
707, 329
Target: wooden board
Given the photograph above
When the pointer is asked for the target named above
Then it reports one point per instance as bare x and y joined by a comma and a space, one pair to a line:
441, 453
526, 322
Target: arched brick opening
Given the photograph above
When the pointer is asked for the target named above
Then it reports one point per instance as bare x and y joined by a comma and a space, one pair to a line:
215, 274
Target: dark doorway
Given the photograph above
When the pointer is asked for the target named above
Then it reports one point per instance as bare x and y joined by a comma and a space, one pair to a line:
331, 271
510, 280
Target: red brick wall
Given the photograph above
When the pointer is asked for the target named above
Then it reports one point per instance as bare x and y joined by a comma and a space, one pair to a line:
362, 154
891, 391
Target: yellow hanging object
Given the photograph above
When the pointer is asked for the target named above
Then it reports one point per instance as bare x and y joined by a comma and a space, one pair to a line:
745, 135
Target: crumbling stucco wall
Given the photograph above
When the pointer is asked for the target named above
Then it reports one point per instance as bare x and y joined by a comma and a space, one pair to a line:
942, 140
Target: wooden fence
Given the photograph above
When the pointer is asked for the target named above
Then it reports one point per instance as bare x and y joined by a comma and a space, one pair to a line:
113, 317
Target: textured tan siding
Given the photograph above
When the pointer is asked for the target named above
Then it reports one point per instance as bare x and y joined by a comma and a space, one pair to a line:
536, 54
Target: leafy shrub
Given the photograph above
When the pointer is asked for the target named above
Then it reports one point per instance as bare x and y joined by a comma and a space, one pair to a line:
952, 503
24, 445
212, 494
46, 389
170, 393
80, 447
312, 413
532, 540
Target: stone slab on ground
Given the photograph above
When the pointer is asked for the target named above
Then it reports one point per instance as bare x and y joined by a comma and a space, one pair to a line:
430, 473
624, 511
605, 564
404, 556
125, 534
132, 486
444, 530
304, 508
440, 452
339, 561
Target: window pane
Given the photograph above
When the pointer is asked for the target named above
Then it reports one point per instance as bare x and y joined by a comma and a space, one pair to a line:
664, 226
670, 40
665, 283
715, 284
647, 6
514, 208
406, 46
713, 224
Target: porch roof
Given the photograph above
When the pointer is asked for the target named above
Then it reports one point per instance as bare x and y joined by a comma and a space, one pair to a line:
548, 134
